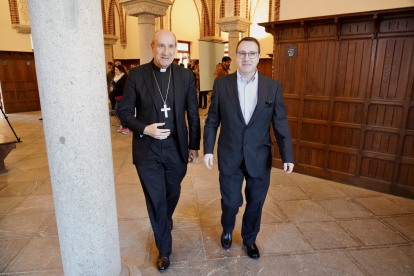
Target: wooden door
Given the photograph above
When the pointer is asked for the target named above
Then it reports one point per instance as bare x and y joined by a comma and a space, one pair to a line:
18, 82
349, 96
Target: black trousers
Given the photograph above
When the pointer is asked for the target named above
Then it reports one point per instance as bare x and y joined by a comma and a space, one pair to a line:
161, 173
232, 199
202, 95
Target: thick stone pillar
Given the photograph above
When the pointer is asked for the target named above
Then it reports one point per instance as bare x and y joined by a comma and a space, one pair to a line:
234, 25
109, 42
69, 52
146, 27
146, 11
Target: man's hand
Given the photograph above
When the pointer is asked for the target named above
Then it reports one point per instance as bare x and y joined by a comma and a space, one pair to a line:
155, 132
288, 167
193, 156
208, 160
111, 89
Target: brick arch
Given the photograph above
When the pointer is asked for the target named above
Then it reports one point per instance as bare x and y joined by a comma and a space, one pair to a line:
115, 8
14, 12
111, 18
197, 3
104, 26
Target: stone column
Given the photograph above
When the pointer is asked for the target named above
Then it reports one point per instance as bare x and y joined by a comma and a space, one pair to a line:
146, 11
69, 52
109, 42
234, 25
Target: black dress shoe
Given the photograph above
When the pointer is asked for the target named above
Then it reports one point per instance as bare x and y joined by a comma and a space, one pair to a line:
252, 251
163, 261
170, 222
226, 240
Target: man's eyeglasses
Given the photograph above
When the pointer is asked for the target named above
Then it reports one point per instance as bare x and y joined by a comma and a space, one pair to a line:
251, 55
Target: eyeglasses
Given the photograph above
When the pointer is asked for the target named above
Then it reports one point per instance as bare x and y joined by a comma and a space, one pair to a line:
251, 55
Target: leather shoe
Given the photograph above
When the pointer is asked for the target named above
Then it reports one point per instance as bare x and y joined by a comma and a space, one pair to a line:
170, 222
252, 251
163, 261
226, 240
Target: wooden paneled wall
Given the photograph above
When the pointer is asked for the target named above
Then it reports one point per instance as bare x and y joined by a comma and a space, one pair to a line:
18, 82
349, 97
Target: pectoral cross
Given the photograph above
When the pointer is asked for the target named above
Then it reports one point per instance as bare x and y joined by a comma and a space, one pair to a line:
165, 110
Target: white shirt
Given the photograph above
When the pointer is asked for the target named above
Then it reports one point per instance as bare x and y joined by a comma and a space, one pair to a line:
247, 95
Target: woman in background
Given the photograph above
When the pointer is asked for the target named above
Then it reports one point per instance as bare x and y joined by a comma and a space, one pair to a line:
116, 90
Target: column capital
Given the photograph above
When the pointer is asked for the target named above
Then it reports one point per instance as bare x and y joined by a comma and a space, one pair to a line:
234, 23
110, 39
135, 8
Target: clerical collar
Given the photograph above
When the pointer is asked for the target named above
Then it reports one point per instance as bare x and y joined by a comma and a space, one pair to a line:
158, 69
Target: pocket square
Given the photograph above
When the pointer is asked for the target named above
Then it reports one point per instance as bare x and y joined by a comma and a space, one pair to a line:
269, 102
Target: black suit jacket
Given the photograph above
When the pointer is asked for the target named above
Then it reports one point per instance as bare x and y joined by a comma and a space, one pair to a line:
139, 94
252, 141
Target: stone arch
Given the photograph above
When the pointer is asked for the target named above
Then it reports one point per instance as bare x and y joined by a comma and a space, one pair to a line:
114, 5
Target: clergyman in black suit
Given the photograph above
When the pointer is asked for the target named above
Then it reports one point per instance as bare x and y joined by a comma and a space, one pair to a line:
161, 93
246, 103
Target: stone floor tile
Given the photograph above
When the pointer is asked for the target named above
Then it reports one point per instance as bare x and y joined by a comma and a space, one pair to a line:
35, 204
9, 249
301, 178
282, 192
186, 212
355, 191
326, 235
20, 188
279, 177
304, 210
382, 206
320, 190
333, 264
51, 272
38, 174
134, 239
271, 213
44, 189
344, 208
403, 224
38, 254
127, 177
7, 204
209, 207
372, 232
187, 182
22, 226
49, 229
384, 261
405, 202
214, 249
130, 202
206, 181
280, 238
187, 246
409, 250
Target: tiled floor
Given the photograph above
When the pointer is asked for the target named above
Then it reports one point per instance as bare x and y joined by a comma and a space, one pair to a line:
309, 226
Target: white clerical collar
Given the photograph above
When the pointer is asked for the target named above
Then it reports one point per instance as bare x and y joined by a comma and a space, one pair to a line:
162, 70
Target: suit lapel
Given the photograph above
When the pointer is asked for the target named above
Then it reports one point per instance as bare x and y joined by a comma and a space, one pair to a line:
149, 81
262, 91
231, 87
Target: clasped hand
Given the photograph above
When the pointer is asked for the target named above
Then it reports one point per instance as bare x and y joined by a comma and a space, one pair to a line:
155, 132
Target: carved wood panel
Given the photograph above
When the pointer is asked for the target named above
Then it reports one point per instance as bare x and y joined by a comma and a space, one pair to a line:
18, 82
349, 97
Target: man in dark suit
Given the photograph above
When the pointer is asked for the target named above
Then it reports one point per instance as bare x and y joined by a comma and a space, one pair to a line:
161, 92
245, 103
